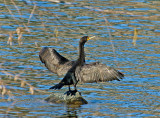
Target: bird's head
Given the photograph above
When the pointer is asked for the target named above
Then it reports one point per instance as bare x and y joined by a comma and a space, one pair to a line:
84, 39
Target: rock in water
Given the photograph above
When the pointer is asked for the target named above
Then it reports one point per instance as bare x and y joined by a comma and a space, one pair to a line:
74, 98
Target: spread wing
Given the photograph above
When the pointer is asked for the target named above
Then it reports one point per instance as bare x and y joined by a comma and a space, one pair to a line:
97, 72
55, 62
94, 72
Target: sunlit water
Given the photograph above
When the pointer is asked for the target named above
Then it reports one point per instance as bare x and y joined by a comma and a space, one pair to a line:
25, 81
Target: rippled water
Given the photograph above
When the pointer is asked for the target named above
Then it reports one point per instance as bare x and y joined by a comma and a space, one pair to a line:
25, 81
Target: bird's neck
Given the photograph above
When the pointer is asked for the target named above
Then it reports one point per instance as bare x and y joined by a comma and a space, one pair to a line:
81, 59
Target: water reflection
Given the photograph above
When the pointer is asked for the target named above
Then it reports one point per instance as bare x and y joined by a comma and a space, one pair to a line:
60, 25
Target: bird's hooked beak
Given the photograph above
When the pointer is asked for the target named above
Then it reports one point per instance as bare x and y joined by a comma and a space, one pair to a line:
89, 38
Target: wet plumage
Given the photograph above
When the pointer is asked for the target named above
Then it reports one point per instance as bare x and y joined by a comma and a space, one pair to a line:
77, 70
55, 62
71, 76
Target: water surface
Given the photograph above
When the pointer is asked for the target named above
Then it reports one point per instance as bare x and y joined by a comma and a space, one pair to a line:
25, 80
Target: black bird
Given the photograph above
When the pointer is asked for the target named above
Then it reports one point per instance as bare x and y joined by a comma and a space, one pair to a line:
94, 72
87, 73
71, 76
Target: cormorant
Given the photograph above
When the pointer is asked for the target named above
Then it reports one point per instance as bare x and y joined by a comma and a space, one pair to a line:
87, 73
71, 76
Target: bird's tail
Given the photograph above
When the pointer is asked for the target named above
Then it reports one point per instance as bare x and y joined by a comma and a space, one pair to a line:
121, 75
57, 86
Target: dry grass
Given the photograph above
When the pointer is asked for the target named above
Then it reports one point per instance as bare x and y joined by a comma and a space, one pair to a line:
15, 78
22, 27
8, 91
135, 37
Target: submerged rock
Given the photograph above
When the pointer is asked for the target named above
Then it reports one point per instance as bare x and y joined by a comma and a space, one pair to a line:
67, 97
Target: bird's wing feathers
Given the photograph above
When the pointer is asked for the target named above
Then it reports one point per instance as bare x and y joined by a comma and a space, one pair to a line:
51, 58
97, 72
94, 72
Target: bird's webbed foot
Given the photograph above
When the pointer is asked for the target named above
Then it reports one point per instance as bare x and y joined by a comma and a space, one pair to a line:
71, 92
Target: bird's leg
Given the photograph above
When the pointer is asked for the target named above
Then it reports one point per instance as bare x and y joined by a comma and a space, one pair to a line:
68, 92
74, 82
75, 88
69, 88
73, 92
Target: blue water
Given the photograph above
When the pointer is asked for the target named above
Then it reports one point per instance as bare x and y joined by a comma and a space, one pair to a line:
25, 80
